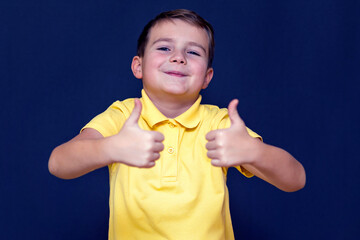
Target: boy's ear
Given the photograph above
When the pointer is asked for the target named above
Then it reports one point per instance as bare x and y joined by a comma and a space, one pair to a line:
209, 75
136, 67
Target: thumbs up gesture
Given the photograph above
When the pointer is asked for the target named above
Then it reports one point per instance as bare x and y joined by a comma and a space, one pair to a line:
232, 146
134, 146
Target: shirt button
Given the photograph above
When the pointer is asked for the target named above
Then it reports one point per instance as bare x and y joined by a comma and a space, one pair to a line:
171, 150
171, 125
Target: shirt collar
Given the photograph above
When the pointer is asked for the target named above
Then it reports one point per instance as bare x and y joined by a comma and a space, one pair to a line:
152, 115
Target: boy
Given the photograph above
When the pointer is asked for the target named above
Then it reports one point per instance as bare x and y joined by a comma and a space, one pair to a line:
167, 154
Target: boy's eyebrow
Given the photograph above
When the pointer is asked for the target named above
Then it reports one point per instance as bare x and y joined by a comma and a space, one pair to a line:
171, 40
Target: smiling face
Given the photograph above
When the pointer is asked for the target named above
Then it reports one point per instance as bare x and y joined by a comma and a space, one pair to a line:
174, 65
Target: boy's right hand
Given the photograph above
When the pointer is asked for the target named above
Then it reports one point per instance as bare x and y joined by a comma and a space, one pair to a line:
134, 146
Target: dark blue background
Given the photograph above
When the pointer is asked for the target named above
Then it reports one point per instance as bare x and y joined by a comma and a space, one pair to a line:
294, 65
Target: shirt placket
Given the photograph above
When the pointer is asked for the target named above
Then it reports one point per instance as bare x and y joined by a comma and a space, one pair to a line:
170, 154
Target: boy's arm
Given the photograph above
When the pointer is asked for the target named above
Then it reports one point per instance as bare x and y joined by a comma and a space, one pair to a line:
90, 150
235, 147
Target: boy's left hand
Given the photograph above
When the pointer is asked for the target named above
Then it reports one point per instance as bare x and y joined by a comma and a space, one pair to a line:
232, 146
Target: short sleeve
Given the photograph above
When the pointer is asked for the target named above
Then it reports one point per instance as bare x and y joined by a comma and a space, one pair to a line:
110, 121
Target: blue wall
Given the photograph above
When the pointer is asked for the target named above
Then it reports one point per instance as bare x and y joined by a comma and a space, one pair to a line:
294, 65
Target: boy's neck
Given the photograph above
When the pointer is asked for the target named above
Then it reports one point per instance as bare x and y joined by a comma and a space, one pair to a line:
171, 108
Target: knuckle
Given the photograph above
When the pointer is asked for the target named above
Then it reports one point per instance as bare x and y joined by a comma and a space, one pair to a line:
151, 145
220, 144
143, 164
220, 134
148, 136
148, 147
148, 157
222, 151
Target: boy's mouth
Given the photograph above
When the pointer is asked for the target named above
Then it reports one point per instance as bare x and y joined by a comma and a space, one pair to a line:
176, 74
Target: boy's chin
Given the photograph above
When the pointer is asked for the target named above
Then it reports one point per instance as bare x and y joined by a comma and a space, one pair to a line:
179, 92
174, 94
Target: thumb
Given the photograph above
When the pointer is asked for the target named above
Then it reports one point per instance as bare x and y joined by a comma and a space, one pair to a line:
135, 114
233, 113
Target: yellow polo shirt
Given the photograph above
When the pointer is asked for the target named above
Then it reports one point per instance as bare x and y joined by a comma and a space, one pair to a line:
183, 196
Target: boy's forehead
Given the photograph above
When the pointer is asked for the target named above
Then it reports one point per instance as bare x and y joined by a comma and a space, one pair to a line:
176, 28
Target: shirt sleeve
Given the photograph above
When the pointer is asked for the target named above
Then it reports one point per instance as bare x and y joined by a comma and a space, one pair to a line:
110, 121
226, 123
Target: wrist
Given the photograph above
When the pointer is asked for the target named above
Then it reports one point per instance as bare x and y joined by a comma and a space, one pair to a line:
257, 150
104, 148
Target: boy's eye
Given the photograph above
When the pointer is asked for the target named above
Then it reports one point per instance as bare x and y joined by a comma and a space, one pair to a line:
194, 53
163, 49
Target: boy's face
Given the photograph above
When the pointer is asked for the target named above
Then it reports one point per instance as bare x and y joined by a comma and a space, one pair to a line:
175, 61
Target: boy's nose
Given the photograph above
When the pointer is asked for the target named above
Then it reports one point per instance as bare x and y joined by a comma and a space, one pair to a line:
178, 57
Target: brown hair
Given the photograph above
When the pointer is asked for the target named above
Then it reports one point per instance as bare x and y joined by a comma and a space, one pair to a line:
184, 15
